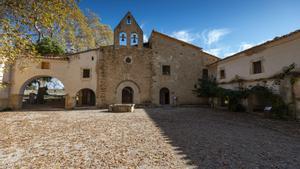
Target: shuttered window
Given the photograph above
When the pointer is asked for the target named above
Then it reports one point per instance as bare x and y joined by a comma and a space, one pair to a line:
257, 67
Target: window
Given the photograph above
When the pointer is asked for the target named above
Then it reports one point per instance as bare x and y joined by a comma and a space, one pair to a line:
1, 72
166, 70
45, 65
204, 74
123, 39
128, 20
86, 73
256, 67
134, 39
128, 60
222, 74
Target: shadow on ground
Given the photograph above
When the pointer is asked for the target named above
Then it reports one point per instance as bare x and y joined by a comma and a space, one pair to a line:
216, 139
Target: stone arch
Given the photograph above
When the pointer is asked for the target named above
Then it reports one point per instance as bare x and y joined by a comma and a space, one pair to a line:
134, 39
123, 39
133, 86
85, 97
22, 88
17, 100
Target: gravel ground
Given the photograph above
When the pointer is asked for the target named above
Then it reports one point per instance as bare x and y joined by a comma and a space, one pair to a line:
150, 138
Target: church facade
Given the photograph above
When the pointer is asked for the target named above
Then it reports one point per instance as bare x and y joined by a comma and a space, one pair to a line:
162, 71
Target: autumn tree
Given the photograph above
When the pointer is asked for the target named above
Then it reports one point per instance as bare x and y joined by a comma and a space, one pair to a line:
24, 23
102, 33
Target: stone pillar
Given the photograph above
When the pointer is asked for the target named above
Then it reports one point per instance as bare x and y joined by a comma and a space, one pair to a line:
70, 102
15, 101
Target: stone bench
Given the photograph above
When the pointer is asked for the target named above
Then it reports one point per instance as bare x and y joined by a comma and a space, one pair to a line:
121, 108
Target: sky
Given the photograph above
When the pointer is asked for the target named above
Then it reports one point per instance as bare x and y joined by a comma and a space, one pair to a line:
220, 27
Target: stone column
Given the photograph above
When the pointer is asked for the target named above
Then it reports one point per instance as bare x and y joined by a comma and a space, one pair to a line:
70, 102
15, 101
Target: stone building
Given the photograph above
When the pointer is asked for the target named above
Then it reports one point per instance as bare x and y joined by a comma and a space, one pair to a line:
261, 65
162, 71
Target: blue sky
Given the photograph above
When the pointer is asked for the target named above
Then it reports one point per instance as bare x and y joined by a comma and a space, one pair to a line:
220, 27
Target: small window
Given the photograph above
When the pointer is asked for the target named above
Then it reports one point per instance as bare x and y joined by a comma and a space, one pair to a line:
128, 20
86, 73
222, 74
204, 74
134, 40
256, 67
123, 39
166, 70
45, 65
1, 72
128, 60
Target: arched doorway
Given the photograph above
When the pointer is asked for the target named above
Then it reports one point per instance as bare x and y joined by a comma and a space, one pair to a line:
127, 95
164, 96
85, 97
43, 92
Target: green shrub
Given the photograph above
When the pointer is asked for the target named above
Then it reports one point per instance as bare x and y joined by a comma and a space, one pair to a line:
279, 109
48, 46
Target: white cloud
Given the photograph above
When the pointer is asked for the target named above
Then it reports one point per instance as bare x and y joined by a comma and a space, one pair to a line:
145, 38
142, 25
185, 35
229, 54
214, 35
214, 51
245, 46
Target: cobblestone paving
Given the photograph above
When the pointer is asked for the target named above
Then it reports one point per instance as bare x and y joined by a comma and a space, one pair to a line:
150, 138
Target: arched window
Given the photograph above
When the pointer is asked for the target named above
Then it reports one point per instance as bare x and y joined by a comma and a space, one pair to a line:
123, 39
128, 20
134, 39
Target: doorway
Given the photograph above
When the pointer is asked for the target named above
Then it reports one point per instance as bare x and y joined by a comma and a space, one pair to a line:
164, 96
127, 95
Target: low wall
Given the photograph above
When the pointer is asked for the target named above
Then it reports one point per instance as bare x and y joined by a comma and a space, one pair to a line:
3, 104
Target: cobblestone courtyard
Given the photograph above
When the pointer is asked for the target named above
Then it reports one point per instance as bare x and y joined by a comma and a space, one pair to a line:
150, 138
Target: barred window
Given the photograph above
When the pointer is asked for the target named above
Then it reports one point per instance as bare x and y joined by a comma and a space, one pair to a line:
86, 73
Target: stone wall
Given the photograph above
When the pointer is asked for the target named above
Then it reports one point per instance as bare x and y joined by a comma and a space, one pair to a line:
186, 62
274, 56
114, 71
68, 71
